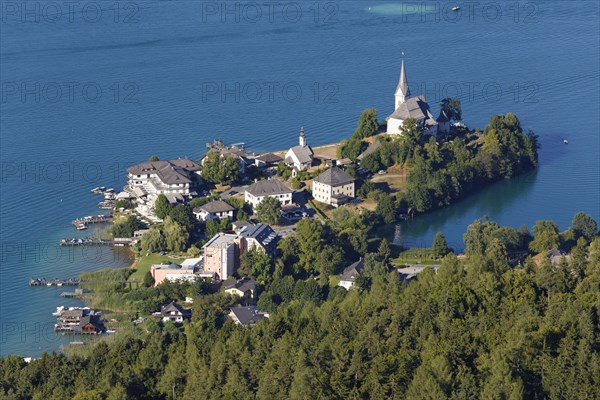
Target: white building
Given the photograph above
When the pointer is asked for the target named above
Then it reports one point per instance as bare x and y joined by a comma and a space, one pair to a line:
334, 187
256, 192
350, 273
176, 179
301, 156
215, 210
259, 236
416, 108
173, 312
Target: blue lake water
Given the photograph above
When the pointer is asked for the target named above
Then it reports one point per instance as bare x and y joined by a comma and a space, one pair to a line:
88, 91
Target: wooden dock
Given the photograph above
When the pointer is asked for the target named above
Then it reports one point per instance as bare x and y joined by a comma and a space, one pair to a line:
54, 282
87, 242
92, 219
73, 282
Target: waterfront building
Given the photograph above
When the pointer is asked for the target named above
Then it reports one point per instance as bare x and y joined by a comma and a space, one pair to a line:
177, 179
236, 151
300, 157
417, 108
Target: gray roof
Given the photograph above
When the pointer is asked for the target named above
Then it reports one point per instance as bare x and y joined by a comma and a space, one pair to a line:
172, 306
216, 206
416, 108
167, 266
371, 149
170, 171
220, 240
89, 319
303, 153
243, 284
555, 253
351, 271
76, 313
247, 315
334, 176
403, 82
443, 117
269, 158
267, 188
241, 224
262, 233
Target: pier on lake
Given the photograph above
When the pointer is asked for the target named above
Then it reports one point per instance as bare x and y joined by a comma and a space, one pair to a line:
92, 219
97, 242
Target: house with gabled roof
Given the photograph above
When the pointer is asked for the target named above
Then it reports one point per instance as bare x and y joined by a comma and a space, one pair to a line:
245, 288
173, 312
259, 236
267, 160
256, 192
247, 316
350, 273
89, 324
214, 210
334, 187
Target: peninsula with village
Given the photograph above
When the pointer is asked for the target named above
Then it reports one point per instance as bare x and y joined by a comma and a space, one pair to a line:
236, 221
236, 250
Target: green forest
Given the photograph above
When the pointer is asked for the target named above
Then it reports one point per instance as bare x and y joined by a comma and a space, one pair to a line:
480, 327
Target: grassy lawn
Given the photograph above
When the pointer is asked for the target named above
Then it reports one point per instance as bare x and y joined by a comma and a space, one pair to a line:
318, 207
395, 180
145, 262
415, 255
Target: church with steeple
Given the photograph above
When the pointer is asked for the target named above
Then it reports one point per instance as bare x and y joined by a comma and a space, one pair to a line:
300, 157
407, 106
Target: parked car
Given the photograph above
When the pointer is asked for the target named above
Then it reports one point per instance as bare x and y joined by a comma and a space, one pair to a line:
382, 172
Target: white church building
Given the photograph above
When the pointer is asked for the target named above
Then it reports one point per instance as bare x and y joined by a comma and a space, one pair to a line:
406, 106
300, 157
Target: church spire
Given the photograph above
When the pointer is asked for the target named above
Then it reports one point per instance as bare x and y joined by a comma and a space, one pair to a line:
302, 137
402, 91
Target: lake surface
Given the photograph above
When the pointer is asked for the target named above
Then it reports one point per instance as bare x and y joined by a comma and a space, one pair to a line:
89, 90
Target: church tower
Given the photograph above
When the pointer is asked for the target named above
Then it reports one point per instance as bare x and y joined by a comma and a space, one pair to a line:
402, 92
302, 137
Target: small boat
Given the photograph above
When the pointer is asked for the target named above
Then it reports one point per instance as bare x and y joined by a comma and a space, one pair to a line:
81, 227
58, 311
565, 141
456, 8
